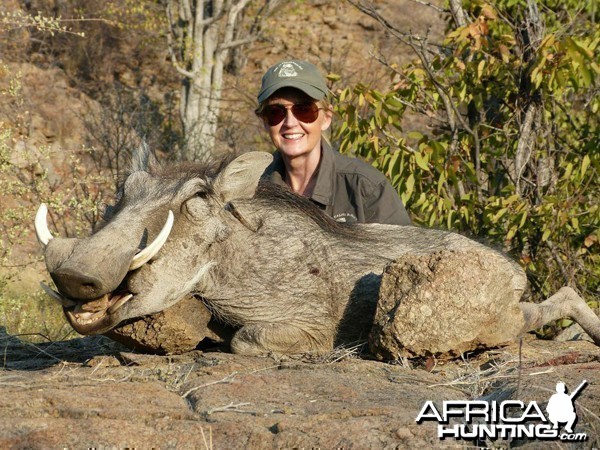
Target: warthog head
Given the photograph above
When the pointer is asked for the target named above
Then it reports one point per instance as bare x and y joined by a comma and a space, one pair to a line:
153, 245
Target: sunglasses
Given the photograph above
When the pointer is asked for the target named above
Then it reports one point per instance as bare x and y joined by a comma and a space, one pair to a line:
304, 112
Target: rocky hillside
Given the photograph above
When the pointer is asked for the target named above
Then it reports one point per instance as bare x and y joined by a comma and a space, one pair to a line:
78, 98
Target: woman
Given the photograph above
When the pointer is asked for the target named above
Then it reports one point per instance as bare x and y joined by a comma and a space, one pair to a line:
295, 112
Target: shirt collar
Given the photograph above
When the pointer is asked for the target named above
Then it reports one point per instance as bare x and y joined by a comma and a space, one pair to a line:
323, 190
277, 170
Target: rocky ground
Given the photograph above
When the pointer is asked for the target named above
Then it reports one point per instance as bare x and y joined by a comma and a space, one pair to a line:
88, 393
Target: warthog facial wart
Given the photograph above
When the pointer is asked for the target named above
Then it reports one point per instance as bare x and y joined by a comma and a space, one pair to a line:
287, 277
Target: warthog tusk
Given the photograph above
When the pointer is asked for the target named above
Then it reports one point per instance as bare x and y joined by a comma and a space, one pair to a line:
148, 253
120, 302
56, 296
41, 225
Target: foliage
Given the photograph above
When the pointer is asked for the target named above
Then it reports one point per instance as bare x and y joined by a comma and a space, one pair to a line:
511, 148
34, 316
126, 118
13, 20
27, 178
132, 15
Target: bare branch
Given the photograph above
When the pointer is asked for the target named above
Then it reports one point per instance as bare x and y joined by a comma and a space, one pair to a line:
418, 45
527, 133
431, 5
237, 43
458, 13
402, 36
231, 407
559, 262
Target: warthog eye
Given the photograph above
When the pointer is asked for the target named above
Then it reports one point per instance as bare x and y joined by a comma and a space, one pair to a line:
202, 194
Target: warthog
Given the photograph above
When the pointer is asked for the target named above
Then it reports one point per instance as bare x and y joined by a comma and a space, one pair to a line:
291, 279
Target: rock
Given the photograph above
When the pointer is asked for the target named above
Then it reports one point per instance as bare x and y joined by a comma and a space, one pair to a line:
332, 22
442, 303
178, 329
59, 400
573, 333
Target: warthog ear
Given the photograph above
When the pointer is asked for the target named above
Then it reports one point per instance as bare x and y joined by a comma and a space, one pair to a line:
142, 159
240, 178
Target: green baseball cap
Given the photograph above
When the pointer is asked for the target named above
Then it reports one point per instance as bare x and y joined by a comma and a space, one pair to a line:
301, 75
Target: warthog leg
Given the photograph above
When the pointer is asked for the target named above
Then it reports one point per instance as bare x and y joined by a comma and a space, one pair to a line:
277, 339
565, 303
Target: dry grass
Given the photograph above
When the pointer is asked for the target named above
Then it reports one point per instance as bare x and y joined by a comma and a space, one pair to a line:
353, 350
33, 317
475, 377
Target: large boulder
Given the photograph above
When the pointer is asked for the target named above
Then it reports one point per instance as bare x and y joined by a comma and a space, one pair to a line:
443, 303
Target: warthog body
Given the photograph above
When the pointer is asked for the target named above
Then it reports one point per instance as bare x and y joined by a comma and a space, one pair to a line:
262, 259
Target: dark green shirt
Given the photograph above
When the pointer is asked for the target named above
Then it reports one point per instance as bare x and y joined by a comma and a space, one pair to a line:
348, 189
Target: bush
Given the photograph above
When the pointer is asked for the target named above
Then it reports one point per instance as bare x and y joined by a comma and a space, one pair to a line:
511, 150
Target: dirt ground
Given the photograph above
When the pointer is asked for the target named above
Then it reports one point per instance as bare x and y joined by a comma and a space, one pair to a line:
89, 393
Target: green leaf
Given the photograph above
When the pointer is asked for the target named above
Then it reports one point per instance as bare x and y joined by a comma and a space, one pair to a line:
393, 169
564, 323
441, 181
415, 135
408, 188
345, 93
511, 233
546, 235
586, 75
422, 160
523, 219
579, 47
568, 171
394, 102
499, 214
449, 219
432, 220
480, 67
575, 223
585, 163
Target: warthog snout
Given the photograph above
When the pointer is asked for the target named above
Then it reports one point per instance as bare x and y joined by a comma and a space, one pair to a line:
91, 274
75, 284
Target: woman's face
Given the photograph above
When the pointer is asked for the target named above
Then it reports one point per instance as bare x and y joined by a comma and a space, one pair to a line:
292, 137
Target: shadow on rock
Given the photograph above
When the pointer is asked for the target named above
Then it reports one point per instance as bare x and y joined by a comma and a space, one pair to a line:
19, 354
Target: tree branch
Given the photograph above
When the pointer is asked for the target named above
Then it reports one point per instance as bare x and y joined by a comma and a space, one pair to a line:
431, 5
458, 13
237, 43
403, 37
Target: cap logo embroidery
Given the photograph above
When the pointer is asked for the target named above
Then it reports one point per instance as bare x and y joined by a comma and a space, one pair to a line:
288, 69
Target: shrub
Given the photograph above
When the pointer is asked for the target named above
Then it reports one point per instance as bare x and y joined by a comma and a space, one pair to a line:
511, 147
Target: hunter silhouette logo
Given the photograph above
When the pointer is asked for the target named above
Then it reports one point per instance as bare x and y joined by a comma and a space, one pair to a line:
560, 407
509, 419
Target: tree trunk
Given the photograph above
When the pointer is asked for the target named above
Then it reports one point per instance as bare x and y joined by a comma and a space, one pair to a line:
202, 35
196, 51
